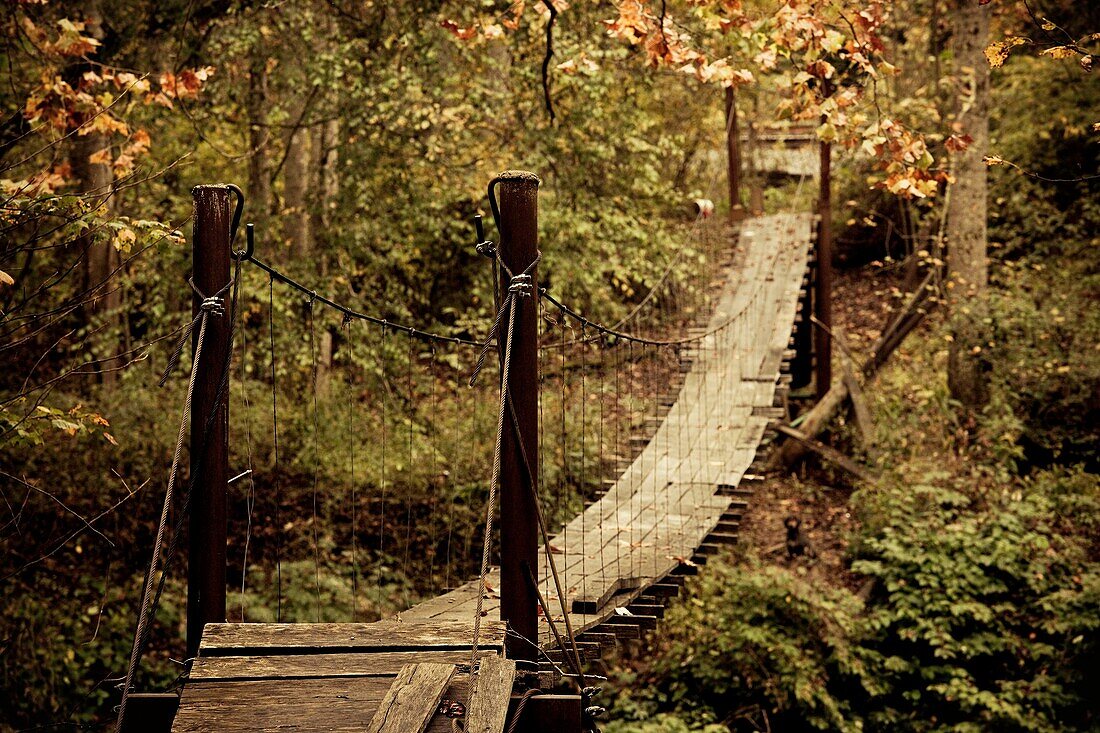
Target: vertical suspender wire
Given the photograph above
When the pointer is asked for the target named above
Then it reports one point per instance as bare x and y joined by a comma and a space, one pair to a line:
652, 390
316, 422
662, 449
437, 475
250, 501
630, 454
563, 446
618, 415
384, 392
410, 411
349, 325
601, 469
541, 442
275, 436
451, 481
583, 347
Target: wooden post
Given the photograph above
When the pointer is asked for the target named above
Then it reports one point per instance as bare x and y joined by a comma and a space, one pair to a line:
209, 419
518, 514
823, 294
733, 156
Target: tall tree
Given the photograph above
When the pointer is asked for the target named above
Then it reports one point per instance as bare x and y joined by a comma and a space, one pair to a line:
966, 213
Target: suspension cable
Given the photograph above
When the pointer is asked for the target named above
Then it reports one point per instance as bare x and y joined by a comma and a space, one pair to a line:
348, 312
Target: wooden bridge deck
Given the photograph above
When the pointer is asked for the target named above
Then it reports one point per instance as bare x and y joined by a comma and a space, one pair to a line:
680, 488
677, 490
340, 673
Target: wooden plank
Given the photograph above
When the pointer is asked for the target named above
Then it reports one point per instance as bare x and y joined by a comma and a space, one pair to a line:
252, 639
412, 699
299, 666
329, 705
492, 692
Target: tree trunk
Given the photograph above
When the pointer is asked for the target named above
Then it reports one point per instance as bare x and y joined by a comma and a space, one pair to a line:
733, 153
325, 183
259, 185
101, 258
296, 178
966, 214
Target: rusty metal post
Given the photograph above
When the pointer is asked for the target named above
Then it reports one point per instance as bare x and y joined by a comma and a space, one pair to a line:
733, 156
209, 420
823, 291
518, 192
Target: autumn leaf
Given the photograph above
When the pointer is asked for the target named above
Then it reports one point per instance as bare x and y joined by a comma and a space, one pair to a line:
1059, 52
997, 52
458, 31
958, 143
125, 239
100, 157
6, 279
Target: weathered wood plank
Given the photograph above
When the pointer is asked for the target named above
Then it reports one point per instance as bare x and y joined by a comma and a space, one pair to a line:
250, 639
492, 692
327, 705
412, 699
298, 666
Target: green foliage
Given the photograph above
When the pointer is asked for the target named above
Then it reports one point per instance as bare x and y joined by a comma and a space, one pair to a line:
981, 616
74, 642
979, 611
752, 639
1044, 332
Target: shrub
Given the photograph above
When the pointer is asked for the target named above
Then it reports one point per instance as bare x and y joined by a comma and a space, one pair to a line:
982, 612
752, 640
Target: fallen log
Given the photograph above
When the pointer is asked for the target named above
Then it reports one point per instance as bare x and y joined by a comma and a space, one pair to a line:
828, 452
828, 407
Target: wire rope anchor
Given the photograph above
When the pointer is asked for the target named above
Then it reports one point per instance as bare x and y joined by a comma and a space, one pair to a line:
521, 285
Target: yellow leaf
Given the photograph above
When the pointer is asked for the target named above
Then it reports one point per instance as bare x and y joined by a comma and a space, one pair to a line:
1058, 52
100, 157
125, 239
997, 52
6, 279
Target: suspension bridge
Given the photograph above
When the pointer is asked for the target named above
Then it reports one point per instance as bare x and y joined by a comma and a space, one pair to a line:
512, 648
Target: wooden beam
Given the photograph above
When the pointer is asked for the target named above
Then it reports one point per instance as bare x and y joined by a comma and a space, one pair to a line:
832, 454
492, 693
412, 699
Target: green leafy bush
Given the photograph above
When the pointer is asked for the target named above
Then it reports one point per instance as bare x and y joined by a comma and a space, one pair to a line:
752, 639
981, 613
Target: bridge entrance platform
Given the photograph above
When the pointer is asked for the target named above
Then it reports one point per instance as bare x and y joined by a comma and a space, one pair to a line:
332, 677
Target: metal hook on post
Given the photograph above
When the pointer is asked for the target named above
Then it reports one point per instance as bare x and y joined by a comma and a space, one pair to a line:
238, 210
493, 202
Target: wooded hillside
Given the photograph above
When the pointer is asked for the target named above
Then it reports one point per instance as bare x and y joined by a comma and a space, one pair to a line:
957, 579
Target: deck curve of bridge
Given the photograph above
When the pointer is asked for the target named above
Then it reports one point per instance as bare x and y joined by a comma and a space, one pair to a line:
688, 477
